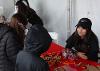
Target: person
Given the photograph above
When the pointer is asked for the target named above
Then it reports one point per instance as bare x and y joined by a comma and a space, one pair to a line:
9, 47
18, 23
22, 7
37, 42
84, 41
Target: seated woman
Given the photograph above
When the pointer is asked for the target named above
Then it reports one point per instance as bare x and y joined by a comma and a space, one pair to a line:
84, 41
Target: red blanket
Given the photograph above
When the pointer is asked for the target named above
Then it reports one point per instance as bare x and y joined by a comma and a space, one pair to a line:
55, 60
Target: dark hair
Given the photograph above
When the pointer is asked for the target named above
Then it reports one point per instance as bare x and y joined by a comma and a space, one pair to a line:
29, 13
86, 24
22, 8
21, 18
19, 29
24, 1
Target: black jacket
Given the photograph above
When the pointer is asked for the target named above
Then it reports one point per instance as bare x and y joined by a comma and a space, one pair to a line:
37, 41
9, 47
89, 46
33, 18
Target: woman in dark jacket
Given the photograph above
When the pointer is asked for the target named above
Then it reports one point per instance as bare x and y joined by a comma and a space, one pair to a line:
9, 47
37, 42
84, 41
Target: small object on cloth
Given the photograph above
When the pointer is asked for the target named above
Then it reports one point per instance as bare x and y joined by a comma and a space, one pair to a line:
68, 54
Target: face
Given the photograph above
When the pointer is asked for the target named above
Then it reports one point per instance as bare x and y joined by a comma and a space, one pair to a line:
1, 19
13, 22
81, 31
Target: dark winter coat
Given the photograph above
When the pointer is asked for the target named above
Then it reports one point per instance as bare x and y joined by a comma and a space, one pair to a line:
37, 41
9, 47
90, 46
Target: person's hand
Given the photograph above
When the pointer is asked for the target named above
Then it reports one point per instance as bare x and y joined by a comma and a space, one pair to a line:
82, 55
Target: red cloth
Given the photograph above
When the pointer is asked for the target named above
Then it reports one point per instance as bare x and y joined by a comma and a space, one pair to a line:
54, 48
57, 50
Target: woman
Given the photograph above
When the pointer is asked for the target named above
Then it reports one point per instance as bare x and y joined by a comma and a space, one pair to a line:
84, 41
37, 42
18, 23
9, 47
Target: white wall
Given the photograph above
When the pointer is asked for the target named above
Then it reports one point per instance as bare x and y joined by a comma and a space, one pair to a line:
8, 7
54, 16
